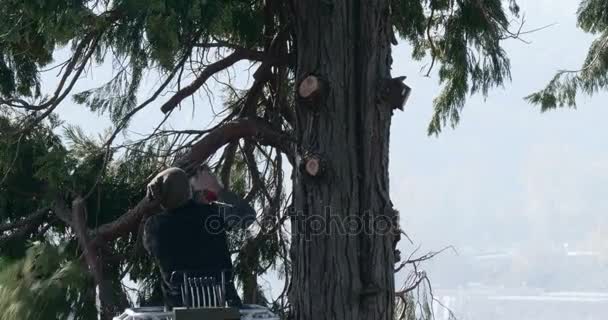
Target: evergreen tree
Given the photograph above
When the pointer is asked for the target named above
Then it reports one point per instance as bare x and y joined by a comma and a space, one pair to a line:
321, 98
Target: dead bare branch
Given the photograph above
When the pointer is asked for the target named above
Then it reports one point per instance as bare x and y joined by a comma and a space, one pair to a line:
210, 70
425, 257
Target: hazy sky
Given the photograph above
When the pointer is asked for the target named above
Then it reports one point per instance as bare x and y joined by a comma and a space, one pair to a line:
504, 171
506, 167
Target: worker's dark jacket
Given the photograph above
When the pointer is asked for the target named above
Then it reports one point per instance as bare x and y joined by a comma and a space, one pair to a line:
193, 238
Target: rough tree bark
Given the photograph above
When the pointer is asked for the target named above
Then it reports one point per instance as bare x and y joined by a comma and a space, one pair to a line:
340, 275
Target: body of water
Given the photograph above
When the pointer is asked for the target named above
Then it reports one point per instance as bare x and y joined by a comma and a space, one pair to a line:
519, 304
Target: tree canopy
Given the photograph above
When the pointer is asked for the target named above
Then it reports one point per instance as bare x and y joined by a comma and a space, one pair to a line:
462, 37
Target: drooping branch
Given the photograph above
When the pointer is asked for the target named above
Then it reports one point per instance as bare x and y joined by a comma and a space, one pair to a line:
58, 94
229, 155
92, 40
246, 127
127, 117
125, 120
256, 177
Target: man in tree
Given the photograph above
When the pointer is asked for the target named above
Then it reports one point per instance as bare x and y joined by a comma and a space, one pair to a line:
190, 235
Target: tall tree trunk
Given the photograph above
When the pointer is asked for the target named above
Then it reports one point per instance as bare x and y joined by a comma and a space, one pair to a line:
337, 274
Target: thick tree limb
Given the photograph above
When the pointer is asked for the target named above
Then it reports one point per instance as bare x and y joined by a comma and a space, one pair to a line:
19, 234
30, 224
34, 218
200, 152
254, 128
125, 223
24, 227
61, 211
